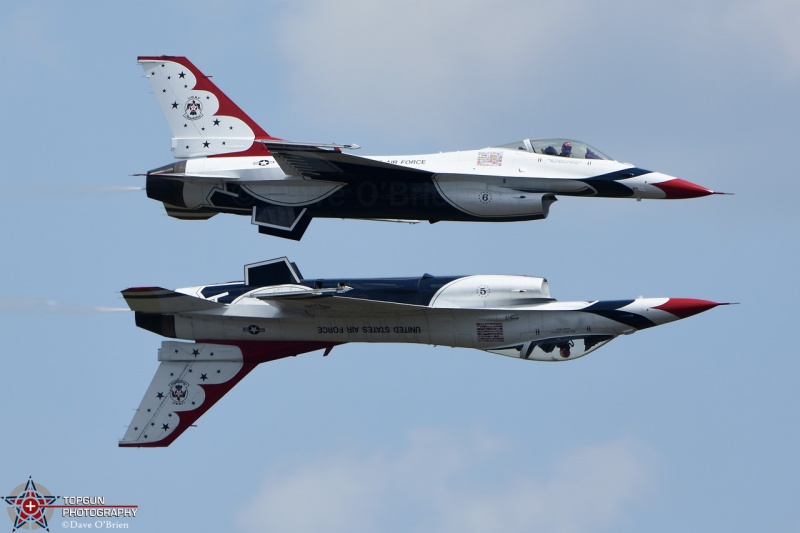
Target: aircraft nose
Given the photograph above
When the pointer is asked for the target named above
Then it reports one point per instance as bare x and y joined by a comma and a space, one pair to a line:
686, 307
676, 189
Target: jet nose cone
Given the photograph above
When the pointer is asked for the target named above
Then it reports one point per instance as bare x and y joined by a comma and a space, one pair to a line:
677, 188
686, 307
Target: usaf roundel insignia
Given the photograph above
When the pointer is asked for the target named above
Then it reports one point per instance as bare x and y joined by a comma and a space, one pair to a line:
193, 109
178, 390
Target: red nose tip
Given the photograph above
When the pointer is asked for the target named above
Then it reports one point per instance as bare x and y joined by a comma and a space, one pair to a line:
685, 307
677, 189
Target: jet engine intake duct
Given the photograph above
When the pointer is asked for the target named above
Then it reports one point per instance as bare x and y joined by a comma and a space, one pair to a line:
483, 200
492, 291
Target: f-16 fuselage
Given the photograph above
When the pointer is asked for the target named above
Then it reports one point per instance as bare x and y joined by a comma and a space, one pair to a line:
497, 313
230, 165
276, 313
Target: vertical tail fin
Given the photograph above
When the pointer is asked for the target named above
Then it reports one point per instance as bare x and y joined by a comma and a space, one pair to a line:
192, 377
203, 120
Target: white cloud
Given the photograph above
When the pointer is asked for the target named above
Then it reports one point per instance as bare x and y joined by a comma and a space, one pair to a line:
770, 26
435, 74
439, 481
28, 35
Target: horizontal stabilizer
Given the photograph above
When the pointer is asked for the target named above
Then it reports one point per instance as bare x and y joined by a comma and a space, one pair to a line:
337, 166
283, 143
158, 300
177, 171
192, 177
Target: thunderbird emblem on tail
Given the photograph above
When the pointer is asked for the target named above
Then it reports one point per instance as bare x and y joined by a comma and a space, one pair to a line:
229, 164
276, 313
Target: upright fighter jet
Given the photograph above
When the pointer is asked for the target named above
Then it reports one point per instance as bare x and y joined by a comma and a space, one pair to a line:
229, 164
275, 313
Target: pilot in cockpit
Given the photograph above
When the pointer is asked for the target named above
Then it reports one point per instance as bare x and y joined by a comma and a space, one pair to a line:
566, 149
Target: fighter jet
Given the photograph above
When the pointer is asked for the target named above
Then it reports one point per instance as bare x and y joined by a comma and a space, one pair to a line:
229, 164
276, 313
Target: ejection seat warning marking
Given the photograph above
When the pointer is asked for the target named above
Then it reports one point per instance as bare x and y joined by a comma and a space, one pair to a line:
490, 331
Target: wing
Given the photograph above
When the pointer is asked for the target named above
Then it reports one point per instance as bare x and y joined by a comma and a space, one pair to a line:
333, 165
323, 303
192, 377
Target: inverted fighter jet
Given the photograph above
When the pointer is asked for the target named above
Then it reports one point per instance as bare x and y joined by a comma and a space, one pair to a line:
229, 164
275, 313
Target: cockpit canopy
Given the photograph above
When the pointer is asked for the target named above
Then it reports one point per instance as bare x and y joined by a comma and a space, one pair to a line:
558, 147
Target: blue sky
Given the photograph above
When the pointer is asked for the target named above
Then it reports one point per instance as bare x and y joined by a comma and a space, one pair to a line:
690, 426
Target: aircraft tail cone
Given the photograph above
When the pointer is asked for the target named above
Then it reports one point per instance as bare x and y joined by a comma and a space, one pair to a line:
676, 189
686, 307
